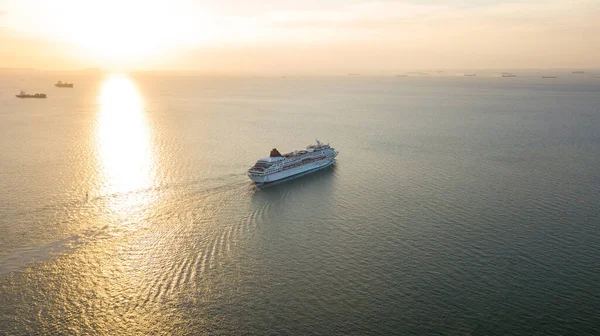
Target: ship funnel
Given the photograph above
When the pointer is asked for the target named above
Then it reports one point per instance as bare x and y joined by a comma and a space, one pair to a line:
275, 153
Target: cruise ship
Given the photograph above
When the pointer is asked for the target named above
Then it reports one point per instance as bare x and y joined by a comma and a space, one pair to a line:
280, 166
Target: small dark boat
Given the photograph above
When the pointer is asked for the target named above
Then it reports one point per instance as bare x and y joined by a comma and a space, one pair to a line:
63, 85
549, 77
26, 95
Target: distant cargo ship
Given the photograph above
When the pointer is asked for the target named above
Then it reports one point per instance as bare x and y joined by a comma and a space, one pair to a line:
578, 72
63, 85
26, 95
508, 74
549, 77
281, 166
470, 75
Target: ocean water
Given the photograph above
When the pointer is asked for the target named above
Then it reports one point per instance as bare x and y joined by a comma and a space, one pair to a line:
457, 206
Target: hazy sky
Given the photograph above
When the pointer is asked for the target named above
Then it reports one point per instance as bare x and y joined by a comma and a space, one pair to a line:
310, 36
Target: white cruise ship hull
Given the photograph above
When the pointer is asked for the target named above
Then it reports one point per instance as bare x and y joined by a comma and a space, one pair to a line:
304, 169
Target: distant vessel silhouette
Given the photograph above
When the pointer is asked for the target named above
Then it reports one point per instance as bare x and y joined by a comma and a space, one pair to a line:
549, 77
578, 72
508, 74
470, 75
22, 94
63, 85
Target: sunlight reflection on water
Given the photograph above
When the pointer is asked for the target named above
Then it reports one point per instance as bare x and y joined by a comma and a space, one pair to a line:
126, 159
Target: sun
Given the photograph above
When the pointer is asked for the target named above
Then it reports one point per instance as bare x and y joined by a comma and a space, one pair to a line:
127, 32
119, 31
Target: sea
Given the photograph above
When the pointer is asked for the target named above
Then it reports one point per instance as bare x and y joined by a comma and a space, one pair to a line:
458, 205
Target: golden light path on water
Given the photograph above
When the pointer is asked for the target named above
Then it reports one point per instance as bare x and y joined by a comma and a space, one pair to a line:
126, 158
118, 273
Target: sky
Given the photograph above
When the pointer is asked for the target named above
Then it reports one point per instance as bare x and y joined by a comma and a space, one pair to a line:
295, 37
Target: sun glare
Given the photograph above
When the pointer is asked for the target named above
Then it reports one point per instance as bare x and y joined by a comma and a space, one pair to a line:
124, 143
126, 33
